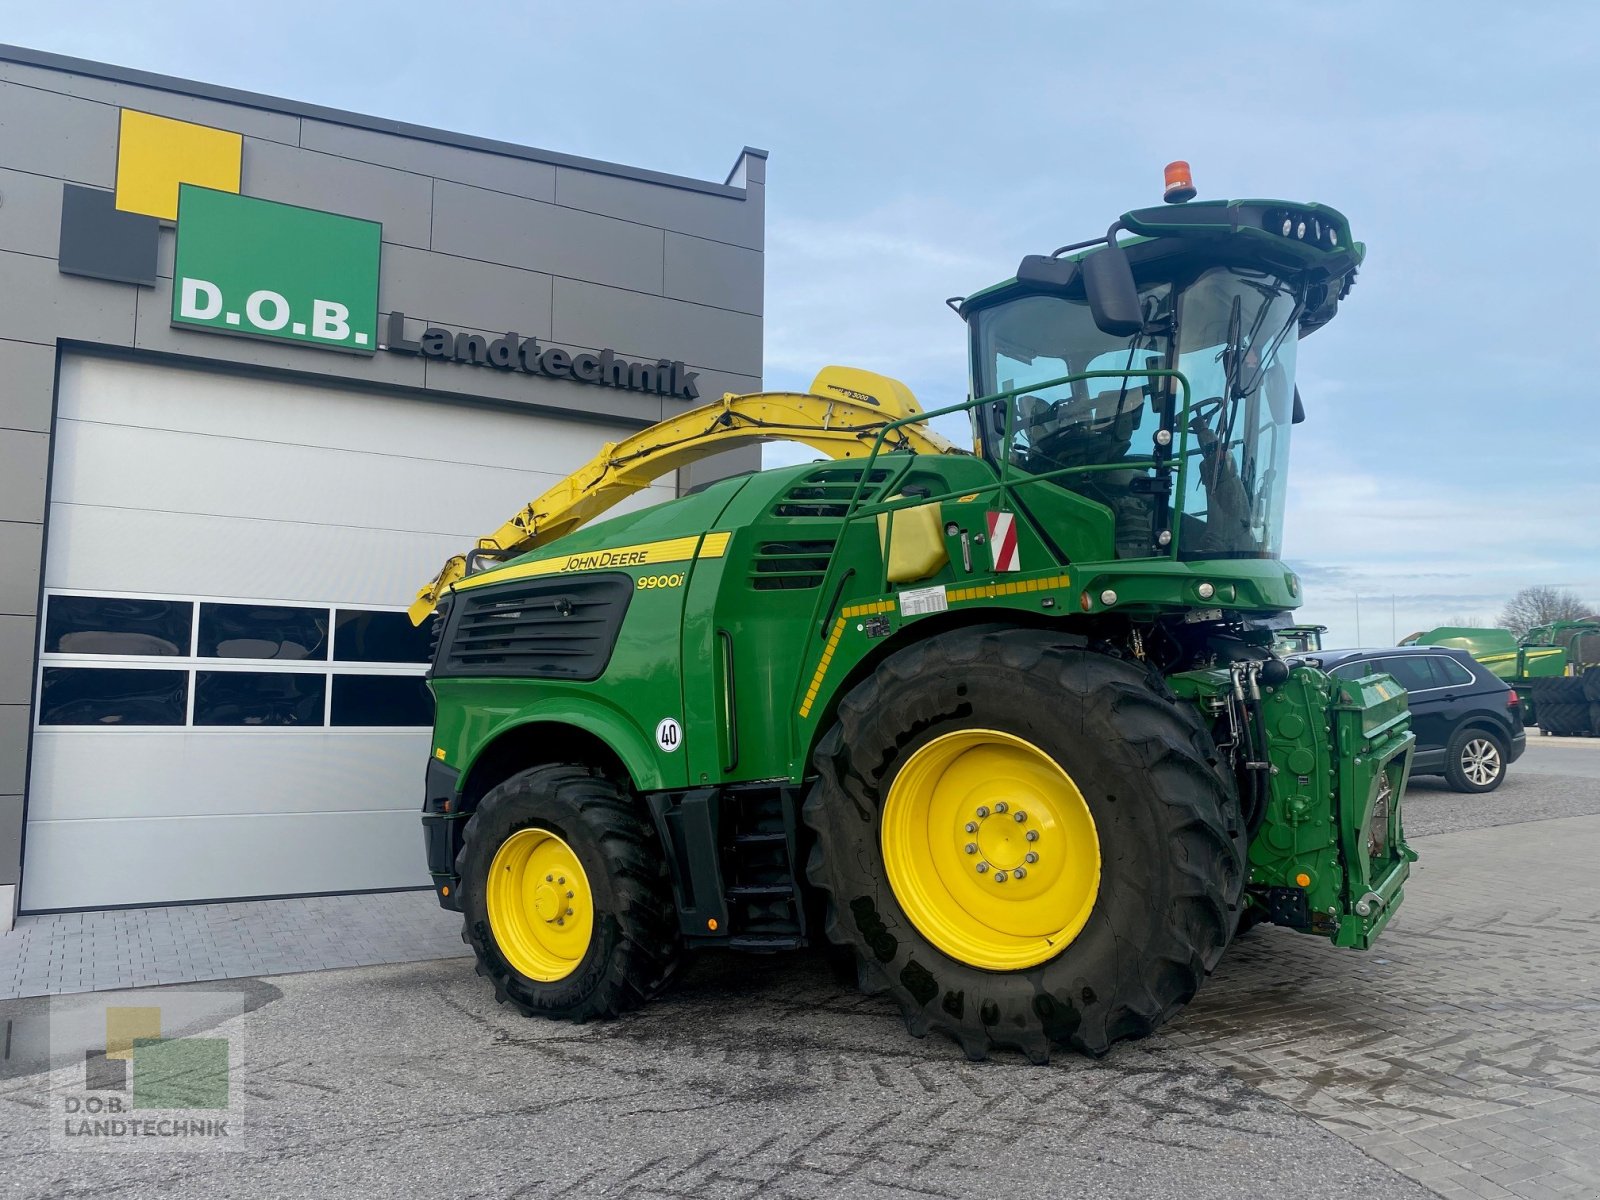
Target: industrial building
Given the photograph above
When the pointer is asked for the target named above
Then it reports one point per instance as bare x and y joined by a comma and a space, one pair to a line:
264, 366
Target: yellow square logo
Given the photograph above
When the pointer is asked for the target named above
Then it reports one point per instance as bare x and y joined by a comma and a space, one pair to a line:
156, 154
126, 1024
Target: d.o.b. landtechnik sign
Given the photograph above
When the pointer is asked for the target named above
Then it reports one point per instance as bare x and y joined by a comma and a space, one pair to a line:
255, 267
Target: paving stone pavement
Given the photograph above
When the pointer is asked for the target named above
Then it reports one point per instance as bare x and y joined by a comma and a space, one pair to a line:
135, 947
1463, 1050
1460, 1057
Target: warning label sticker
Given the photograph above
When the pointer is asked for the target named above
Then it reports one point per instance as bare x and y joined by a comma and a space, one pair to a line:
919, 602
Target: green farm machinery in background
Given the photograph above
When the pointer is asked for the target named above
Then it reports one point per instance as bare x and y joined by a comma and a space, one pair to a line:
1297, 639
1005, 724
1555, 669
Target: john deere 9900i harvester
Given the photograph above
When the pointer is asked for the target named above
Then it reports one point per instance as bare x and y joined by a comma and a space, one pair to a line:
1005, 722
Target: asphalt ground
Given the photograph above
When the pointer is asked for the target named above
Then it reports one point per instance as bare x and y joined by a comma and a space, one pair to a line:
1555, 777
1459, 1058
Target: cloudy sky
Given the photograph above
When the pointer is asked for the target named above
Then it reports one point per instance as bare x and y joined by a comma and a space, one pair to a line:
920, 149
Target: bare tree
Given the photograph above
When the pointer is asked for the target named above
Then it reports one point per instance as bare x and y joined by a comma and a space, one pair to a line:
1540, 605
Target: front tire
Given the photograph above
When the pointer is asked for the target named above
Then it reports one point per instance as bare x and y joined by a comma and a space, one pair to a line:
565, 896
1105, 764
1475, 760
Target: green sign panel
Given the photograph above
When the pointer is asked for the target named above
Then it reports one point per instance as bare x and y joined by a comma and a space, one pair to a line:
253, 267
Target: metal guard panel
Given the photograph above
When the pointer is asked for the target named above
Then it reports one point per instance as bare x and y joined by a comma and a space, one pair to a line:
1381, 702
555, 628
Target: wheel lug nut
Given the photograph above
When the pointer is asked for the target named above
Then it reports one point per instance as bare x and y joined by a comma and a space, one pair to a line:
1019, 873
561, 920
983, 810
983, 868
1019, 816
1031, 857
569, 911
549, 878
972, 827
972, 847
1033, 835
563, 879
569, 895
1001, 807
999, 876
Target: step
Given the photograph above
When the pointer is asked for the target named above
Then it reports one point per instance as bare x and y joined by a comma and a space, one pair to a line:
760, 839
750, 891
765, 941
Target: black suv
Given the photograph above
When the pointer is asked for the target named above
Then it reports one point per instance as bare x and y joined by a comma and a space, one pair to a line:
1468, 721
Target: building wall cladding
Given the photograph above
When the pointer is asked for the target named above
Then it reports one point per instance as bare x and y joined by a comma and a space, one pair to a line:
477, 236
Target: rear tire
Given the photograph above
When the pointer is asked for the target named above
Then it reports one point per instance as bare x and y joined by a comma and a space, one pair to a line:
1170, 839
633, 944
1475, 760
1563, 709
1591, 685
1564, 720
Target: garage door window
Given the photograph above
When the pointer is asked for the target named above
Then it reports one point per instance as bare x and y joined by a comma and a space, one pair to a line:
234, 664
114, 625
112, 696
263, 631
259, 698
378, 637
389, 700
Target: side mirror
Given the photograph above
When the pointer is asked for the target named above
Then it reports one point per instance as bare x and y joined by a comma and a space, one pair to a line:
1299, 409
1113, 296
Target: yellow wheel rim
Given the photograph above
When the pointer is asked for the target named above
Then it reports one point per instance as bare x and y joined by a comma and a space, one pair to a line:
541, 910
990, 849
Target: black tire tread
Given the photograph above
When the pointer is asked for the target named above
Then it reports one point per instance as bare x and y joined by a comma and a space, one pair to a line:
1558, 689
1199, 819
1564, 719
640, 924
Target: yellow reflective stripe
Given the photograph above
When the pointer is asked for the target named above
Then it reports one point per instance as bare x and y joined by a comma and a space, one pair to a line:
672, 550
874, 607
990, 591
855, 610
867, 610
822, 667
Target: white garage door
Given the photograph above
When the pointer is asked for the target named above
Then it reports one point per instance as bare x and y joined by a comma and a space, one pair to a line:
230, 697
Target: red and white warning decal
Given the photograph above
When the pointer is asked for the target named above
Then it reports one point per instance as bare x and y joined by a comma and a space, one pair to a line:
1003, 541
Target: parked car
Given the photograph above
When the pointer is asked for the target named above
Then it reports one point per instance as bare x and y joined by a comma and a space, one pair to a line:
1468, 721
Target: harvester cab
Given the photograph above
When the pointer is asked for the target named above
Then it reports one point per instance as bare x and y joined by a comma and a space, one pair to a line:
1007, 724
1154, 378
1298, 639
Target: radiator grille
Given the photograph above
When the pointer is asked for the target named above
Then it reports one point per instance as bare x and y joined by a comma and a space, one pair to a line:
536, 629
826, 492
780, 566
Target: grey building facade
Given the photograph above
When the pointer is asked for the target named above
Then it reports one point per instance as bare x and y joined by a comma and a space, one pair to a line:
208, 532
